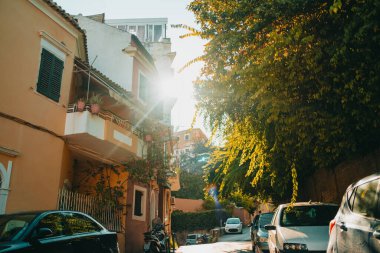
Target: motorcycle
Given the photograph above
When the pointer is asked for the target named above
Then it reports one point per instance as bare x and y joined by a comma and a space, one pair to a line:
155, 241
205, 238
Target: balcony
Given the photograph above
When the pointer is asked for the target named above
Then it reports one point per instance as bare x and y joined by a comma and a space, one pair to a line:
103, 135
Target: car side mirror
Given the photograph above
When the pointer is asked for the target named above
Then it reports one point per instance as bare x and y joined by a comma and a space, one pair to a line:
39, 234
44, 232
270, 227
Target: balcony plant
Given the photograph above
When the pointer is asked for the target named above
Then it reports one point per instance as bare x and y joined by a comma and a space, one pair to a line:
95, 101
81, 104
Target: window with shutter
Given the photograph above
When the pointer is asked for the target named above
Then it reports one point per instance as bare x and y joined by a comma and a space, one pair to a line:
138, 202
50, 75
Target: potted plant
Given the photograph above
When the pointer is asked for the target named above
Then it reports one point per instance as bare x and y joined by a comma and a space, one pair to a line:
81, 104
95, 102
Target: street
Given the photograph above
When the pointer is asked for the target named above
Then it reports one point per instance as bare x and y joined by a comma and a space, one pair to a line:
230, 243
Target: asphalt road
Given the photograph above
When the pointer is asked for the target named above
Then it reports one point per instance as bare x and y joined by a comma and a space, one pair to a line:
230, 243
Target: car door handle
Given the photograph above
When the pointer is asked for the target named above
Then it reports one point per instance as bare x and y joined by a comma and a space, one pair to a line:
376, 234
342, 226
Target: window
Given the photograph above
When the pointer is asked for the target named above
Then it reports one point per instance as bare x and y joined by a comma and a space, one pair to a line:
141, 32
81, 224
308, 215
157, 32
54, 222
132, 29
187, 137
143, 88
50, 75
122, 27
365, 202
139, 203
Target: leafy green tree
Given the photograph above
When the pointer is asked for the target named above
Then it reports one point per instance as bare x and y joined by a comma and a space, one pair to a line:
292, 85
191, 172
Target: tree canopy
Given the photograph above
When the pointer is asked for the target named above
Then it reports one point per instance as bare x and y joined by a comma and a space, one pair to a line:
191, 172
293, 85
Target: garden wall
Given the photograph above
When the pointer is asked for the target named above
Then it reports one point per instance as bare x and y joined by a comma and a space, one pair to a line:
329, 185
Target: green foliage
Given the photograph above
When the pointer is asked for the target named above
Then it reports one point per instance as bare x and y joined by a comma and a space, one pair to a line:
155, 165
191, 185
292, 85
191, 173
197, 221
210, 204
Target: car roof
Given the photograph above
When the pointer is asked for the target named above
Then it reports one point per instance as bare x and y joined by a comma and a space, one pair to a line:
42, 212
234, 218
307, 204
365, 179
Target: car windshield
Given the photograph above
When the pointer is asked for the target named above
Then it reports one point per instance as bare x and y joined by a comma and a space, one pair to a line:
265, 219
317, 215
12, 225
233, 221
191, 236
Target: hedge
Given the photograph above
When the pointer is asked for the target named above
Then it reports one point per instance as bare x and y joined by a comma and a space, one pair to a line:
199, 220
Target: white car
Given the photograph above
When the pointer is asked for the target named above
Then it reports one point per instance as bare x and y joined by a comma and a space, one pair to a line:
303, 227
233, 225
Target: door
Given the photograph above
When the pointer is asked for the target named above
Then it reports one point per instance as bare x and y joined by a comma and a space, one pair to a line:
85, 235
49, 235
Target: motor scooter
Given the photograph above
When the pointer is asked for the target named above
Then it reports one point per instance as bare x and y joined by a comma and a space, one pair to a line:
155, 241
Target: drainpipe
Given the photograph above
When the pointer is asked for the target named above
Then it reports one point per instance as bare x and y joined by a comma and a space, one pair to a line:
89, 77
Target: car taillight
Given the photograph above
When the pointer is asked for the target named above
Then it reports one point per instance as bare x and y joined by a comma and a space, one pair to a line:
331, 226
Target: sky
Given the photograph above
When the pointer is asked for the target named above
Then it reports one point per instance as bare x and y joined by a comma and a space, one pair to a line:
186, 49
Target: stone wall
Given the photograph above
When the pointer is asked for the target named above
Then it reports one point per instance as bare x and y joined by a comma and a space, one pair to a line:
329, 185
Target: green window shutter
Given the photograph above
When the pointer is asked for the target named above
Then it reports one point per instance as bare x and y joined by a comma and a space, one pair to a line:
50, 75
56, 79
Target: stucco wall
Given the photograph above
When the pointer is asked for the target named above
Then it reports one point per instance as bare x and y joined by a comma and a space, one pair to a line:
188, 205
21, 23
330, 185
106, 44
243, 214
37, 170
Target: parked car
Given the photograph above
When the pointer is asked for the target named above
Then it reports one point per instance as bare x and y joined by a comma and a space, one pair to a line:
259, 235
303, 227
55, 231
356, 226
193, 239
233, 225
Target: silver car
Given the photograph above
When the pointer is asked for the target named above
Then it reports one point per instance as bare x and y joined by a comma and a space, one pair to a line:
259, 235
356, 227
304, 227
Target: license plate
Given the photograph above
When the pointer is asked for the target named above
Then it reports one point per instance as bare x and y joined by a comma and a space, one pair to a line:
146, 246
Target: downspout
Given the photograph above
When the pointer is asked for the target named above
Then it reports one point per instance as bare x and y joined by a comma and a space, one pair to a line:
89, 77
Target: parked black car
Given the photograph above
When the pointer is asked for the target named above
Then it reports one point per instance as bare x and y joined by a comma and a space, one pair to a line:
55, 231
356, 226
259, 235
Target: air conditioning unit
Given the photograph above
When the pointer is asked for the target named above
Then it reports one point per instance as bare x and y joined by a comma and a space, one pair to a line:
172, 201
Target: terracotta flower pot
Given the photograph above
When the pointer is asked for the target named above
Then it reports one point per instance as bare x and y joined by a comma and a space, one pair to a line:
148, 137
95, 108
80, 106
